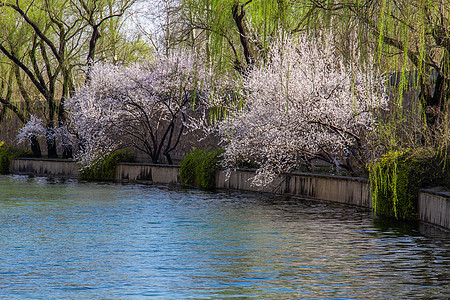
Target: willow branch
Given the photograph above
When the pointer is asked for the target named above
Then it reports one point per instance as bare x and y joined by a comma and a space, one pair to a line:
42, 89
36, 29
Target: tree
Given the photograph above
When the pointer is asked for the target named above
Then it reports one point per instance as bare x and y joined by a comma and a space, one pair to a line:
232, 33
45, 42
304, 103
147, 106
408, 38
9, 80
412, 39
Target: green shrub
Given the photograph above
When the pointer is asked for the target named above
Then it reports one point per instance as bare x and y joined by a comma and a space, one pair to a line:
106, 168
396, 178
199, 168
7, 154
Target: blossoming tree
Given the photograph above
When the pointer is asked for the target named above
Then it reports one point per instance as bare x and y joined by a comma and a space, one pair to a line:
303, 103
146, 106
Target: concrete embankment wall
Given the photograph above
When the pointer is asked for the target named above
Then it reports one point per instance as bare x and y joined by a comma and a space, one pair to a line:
45, 167
434, 206
349, 190
147, 173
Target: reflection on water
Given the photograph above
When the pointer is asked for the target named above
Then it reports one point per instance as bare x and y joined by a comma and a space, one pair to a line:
65, 239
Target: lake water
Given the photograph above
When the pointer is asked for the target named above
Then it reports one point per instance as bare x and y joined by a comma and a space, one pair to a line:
75, 240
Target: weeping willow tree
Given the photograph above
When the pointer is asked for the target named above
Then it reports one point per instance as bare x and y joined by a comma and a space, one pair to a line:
231, 33
410, 41
44, 46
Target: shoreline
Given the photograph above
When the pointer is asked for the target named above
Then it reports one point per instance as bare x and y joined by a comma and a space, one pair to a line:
433, 205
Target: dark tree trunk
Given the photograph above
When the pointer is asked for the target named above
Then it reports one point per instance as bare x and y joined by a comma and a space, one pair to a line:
155, 159
168, 157
238, 16
433, 98
67, 151
92, 44
436, 100
51, 147
35, 147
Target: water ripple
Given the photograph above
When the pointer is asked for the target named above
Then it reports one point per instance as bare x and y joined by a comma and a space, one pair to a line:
69, 239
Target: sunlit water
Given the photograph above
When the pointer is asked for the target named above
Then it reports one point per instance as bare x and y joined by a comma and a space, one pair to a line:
77, 240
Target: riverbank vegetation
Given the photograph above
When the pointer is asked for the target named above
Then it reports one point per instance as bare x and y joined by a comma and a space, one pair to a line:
199, 168
104, 169
396, 178
362, 86
7, 154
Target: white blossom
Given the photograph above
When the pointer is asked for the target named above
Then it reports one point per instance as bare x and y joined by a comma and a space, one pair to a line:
302, 102
33, 128
147, 105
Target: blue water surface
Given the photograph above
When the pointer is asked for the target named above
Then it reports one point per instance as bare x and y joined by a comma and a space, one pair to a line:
78, 240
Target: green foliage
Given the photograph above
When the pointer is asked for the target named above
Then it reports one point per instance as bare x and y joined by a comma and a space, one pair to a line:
402, 39
199, 167
210, 26
7, 154
43, 49
396, 178
105, 169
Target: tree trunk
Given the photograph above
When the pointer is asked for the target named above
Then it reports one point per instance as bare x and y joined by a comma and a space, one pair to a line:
154, 159
433, 97
67, 151
168, 157
65, 141
90, 58
238, 16
35, 147
51, 147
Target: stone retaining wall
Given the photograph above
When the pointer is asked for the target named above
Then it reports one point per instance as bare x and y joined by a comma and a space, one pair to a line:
434, 207
45, 167
147, 173
349, 190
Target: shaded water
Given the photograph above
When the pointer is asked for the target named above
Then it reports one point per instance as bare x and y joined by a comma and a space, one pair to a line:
85, 240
